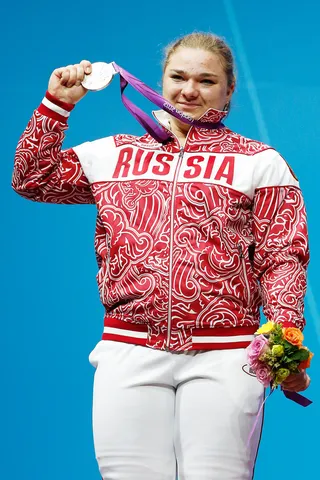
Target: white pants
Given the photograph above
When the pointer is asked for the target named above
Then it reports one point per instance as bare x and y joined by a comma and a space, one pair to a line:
158, 414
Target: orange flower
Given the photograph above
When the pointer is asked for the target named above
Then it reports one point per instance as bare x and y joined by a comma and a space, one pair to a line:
293, 335
306, 363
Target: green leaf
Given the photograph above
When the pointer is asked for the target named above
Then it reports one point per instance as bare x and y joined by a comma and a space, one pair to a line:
300, 355
289, 347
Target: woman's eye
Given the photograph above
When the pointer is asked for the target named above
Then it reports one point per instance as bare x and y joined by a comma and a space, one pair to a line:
208, 82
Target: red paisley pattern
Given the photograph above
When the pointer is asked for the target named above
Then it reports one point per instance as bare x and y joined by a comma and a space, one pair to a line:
43, 172
213, 225
281, 255
191, 271
223, 140
213, 116
133, 219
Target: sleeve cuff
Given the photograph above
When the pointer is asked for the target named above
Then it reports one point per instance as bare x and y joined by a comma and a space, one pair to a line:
54, 108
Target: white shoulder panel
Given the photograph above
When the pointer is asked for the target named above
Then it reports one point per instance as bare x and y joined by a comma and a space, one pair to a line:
271, 170
95, 158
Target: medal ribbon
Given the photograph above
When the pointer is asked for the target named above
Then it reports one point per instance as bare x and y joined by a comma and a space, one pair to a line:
159, 133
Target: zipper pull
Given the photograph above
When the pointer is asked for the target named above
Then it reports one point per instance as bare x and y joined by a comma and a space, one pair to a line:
109, 249
240, 250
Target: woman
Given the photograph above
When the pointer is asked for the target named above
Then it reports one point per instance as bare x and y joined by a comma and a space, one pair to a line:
193, 235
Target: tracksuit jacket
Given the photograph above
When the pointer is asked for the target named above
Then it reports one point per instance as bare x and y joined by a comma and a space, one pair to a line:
190, 242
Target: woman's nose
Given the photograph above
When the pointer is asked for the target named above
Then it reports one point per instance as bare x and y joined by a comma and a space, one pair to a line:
190, 89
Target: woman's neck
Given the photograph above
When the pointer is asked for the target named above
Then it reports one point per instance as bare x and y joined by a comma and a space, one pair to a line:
180, 130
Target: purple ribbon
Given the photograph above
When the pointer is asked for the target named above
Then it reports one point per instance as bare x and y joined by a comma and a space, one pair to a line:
159, 133
296, 397
257, 417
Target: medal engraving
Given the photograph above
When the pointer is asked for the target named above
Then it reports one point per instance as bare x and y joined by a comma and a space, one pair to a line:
100, 77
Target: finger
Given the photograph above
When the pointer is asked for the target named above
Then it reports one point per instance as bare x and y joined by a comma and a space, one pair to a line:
87, 66
58, 72
293, 388
80, 75
297, 386
64, 76
292, 384
308, 381
72, 76
294, 379
291, 381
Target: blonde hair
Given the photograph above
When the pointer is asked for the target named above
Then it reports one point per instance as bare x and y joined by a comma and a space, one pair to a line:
208, 42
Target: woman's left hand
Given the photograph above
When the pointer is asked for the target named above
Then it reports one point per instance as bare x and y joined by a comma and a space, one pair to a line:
296, 382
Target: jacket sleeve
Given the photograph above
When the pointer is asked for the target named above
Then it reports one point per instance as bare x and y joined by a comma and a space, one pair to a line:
281, 242
43, 172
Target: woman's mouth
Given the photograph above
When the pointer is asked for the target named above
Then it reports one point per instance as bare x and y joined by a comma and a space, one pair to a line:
188, 106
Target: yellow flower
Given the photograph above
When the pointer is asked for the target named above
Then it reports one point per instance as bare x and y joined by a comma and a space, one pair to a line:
277, 350
265, 328
282, 374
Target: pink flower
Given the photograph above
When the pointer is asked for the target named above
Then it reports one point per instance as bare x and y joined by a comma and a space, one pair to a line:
263, 374
254, 365
258, 346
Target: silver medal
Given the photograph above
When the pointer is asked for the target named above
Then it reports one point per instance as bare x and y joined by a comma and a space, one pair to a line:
100, 77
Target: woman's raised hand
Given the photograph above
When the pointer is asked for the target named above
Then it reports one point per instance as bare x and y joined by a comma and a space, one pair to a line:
65, 82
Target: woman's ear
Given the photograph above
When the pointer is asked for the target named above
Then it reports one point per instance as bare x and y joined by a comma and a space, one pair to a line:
230, 91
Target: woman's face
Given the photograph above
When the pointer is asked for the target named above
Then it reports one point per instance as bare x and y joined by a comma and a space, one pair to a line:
194, 80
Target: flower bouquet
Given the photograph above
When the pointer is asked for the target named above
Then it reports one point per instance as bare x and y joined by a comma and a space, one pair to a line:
275, 353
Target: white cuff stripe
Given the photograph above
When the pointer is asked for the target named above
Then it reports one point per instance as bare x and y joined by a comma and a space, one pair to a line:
125, 333
55, 107
228, 339
196, 339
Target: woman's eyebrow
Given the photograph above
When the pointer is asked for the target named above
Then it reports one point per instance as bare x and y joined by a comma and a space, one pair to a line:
203, 74
208, 74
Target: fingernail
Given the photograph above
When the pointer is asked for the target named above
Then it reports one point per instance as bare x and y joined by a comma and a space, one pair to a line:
88, 70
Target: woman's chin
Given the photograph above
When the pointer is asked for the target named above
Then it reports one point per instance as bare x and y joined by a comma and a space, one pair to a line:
193, 113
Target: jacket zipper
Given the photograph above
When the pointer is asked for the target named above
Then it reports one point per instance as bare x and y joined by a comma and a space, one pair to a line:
172, 228
175, 179
107, 268
244, 268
